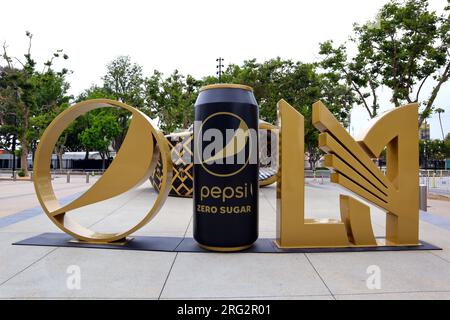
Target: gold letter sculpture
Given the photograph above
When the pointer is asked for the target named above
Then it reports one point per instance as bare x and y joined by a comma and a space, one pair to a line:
132, 166
293, 230
396, 192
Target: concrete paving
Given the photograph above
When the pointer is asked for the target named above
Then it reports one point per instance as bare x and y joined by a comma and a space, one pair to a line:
439, 207
16, 196
70, 273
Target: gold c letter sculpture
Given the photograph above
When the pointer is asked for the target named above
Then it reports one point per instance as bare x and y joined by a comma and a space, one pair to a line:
132, 166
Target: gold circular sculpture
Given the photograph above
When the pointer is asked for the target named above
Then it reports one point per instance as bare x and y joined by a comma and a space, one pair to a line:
133, 165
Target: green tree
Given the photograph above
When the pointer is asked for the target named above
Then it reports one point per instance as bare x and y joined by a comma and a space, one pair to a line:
171, 100
96, 92
405, 48
85, 121
300, 85
439, 111
124, 81
41, 121
26, 92
447, 148
433, 151
99, 135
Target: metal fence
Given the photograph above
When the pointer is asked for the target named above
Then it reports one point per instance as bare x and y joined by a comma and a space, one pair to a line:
437, 181
66, 164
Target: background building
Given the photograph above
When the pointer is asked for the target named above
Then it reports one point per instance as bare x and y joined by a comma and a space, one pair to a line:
424, 131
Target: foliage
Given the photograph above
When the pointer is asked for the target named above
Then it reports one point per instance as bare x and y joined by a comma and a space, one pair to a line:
25, 93
405, 48
171, 99
435, 150
300, 85
124, 81
99, 135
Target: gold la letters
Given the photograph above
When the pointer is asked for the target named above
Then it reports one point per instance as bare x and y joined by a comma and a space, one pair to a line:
351, 162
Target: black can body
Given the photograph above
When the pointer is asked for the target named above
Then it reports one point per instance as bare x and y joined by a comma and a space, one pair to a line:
226, 168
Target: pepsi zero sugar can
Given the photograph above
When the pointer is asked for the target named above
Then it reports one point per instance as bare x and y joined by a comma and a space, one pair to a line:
226, 168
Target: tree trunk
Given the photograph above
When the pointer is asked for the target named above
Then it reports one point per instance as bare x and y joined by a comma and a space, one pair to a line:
117, 141
24, 158
24, 143
103, 161
442, 129
312, 165
60, 159
444, 78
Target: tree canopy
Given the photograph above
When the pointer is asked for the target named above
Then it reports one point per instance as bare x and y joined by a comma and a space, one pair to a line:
27, 93
406, 47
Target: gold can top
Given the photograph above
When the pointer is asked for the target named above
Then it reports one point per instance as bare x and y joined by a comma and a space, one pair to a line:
226, 86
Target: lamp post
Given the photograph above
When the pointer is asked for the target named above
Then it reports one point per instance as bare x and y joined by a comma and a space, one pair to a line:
33, 151
219, 67
14, 155
13, 145
425, 158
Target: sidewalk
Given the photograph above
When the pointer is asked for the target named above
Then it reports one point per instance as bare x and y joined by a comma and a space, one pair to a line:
18, 195
44, 272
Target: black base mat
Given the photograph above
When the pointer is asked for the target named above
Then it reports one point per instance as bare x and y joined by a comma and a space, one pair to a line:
171, 244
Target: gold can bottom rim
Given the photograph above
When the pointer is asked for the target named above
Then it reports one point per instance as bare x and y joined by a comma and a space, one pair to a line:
226, 249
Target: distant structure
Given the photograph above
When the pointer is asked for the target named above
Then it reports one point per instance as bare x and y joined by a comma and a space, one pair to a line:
219, 67
424, 131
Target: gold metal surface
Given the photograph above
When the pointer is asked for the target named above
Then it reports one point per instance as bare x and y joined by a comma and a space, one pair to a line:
356, 217
226, 86
269, 128
397, 192
264, 125
293, 230
352, 162
268, 182
131, 167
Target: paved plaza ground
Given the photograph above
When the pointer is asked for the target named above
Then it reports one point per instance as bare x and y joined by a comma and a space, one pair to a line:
44, 272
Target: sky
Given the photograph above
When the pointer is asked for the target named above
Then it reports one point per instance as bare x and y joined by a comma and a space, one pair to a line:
189, 36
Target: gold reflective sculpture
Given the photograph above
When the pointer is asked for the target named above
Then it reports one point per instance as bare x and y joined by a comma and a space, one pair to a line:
293, 230
353, 168
397, 192
356, 217
134, 163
